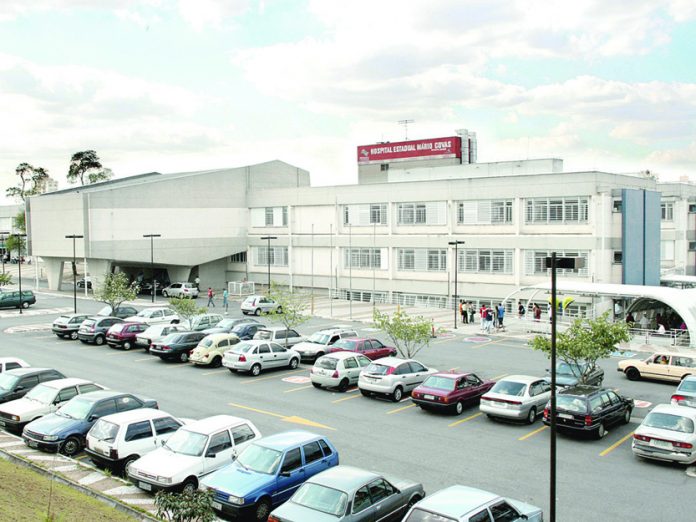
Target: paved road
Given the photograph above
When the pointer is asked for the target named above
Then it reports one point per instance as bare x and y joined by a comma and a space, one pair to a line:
597, 480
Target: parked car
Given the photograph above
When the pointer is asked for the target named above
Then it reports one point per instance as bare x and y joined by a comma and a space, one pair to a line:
663, 366
67, 325
85, 281
256, 356
370, 495
246, 331
569, 374
194, 451
15, 384
685, 394
180, 290
450, 391
42, 399
465, 504
155, 315
65, 430
338, 370
122, 335
119, 439
589, 409
202, 322
93, 329
318, 343
11, 363
176, 346
392, 376
373, 349
667, 433
144, 287
268, 472
121, 312
212, 348
279, 334
227, 325
11, 299
260, 304
516, 397
155, 333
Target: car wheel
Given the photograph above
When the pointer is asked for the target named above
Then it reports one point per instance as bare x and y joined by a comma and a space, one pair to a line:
99, 340
257, 312
413, 501
531, 416
633, 374
343, 385
263, 509
25, 304
365, 393
293, 363
320, 354
71, 446
189, 486
316, 385
127, 345
458, 408
216, 362
601, 431
256, 370
398, 394
73, 336
627, 416
183, 357
126, 463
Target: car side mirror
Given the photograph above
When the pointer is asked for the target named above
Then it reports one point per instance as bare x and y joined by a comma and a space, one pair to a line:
162, 442
19, 388
211, 455
647, 362
93, 418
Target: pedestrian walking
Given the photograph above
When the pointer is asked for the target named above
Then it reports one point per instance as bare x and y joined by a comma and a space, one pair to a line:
470, 309
211, 295
197, 281
225, 303
462, 311
482, 314
501, 314
537, 312
488, 324
520, 310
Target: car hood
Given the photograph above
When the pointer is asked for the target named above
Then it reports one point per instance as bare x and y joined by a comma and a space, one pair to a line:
526, 509
53, 424
305, 346
23, 407
166, 463
295, 512
233, 479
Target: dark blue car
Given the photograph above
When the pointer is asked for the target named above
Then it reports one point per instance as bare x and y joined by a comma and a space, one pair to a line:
268, 472
65, 430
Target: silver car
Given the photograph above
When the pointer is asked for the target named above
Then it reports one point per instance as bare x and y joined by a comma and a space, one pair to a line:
685, 394
392, 376
256, 356
180, 290
317, 344
338, 370
156, 333
260, 304
279, 334
349, 494
518, 397
667, 433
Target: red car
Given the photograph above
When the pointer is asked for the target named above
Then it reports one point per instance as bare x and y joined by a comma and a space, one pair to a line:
449, 391
370, 348
122, 335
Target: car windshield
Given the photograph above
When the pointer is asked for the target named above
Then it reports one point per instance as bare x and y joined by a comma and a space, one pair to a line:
569, 369
238, 328
172, 338
667, 421
378, 369
328, 363
319, 338
104, 430
88, 322
260, 459
439, 383
7, 381
145, 313
63, 318
570, 403
76, 408
687, 385
345, 344
321, 498
509, 388
206, 343
226, 323
242, 348
42, 394
418, 515
187, 443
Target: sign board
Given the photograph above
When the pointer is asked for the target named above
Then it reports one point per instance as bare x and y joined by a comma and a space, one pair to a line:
296, 379
433, 148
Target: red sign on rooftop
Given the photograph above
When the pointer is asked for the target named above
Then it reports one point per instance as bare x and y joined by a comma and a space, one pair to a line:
433, 148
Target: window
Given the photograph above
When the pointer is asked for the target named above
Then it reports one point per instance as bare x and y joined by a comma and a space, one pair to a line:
557, 210
12, 366
275, 256
481, 516
242, 433
240, 257
325, 448
104, 408
431, 213
127, 403
667, 250
138, 431
312, 452
618, 257
292, 461
617, 205
263, 349
350, 363
667, 210
535, 262
379, 490
278, 348
364, 215
403, 369
486, 261
219, 442
66, 394
29, 382
165, 425
384, 167
362, 500
86, 388
363, 361
365, 258
692, 246
504, 512
692, 208
422, 259
417, 367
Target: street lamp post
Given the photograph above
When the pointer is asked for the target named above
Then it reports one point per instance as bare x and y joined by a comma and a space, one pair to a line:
74, 270
456, 244
19, 265
268, 257
3, 237
152, 262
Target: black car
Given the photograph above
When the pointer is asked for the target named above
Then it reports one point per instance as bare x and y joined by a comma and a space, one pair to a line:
68, 325
121, 312
81, 283
589, 409
234, 326
569, 374
12, 300
93, 329
14, 384
176, 346
145, 286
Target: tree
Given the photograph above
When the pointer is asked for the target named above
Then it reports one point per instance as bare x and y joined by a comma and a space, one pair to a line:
584, 343
86, 163
291, 306
409, 334
115, 290
5, 279
15, 244
186, 308
196, 506
30, 178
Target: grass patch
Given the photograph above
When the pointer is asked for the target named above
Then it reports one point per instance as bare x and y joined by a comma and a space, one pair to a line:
24, 496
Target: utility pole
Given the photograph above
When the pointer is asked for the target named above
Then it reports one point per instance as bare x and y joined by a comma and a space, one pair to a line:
405, 124
456, 244
152, 262
74, 269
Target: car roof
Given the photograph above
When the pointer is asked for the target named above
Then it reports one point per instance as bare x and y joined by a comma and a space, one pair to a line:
96, 396
526, 379
456, 501
678, 354
451, 375
344, 478
68, 381
129, 323
218, 336
281, 441
582, 390
154, 308
335, 330
689, 378
139, 414
341, 355
11, 359
19, 372
275, 328
683, 411
214, 423
391, 361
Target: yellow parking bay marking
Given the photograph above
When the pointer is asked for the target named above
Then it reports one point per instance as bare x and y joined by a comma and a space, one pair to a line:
215, 371
357, 396
616, 445
397, 410
298, 389
259, 379
464, 420
291, 418
146, 359
532, 433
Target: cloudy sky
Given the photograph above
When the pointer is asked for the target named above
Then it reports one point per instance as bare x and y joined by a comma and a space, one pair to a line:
175, 85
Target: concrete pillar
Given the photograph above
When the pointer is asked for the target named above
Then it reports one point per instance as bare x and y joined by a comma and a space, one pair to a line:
54, 272
178, 274
212, 274
98, 269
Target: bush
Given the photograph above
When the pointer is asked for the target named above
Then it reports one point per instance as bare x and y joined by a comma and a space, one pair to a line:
185, 507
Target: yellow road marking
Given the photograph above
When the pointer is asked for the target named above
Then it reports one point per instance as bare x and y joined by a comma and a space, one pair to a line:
464, 420
412, 405
259, 379
499, 376
256, 410
289, 418
616, 445
215, 371
298, 389
346, 399
151, 358
532, 433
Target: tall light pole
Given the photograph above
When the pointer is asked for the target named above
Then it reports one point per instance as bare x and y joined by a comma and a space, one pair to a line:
19, 264
152, 262
350, 271
74, 270
3, 237
456, 259
268, 257
312, 268
331, 274
374, 250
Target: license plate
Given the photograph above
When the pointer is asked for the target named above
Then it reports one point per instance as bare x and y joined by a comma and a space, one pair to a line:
145, 486
429, 397
663, 444
216, 505
565, 416
32, 444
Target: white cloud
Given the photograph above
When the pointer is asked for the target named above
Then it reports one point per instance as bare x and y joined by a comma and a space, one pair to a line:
211, 13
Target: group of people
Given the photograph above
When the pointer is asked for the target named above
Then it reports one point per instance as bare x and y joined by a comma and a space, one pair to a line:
662, 323
225, 299
490, 317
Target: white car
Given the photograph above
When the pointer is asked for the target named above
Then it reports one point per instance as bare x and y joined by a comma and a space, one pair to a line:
42, 399
180, 290
279, 334
11, 363
156, 332
192, 452
317, 344
260, 304
667, 433
117, 440
255, 356
154, 315
338, 370
517, 397
392, 376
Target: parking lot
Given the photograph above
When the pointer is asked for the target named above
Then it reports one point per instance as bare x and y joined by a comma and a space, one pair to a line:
597, 479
